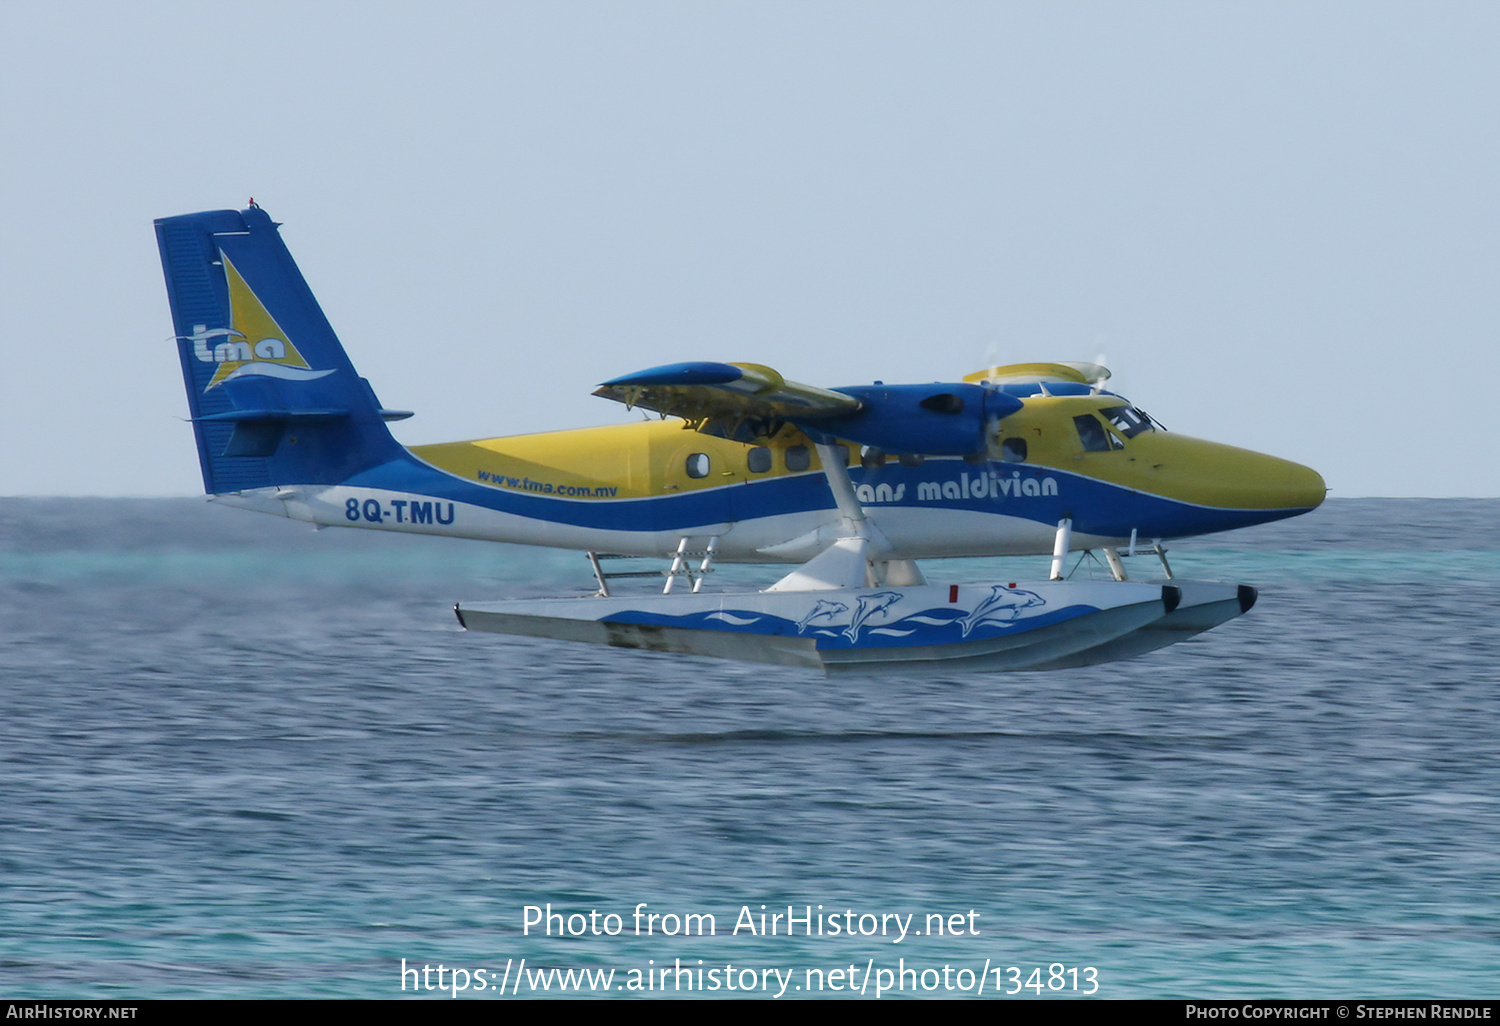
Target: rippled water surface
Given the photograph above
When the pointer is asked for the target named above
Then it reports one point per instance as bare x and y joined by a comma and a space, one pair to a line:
241, 758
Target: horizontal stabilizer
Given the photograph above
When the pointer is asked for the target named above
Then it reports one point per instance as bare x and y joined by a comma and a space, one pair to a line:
301, 416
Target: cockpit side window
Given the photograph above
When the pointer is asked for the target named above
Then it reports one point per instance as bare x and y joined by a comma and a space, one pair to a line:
1093, 436
1128, 420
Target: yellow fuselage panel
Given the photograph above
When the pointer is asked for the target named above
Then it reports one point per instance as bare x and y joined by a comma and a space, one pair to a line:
623, 461
1162, 463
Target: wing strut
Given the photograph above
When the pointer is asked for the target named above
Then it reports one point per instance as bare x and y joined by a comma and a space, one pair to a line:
855, 523
854, 559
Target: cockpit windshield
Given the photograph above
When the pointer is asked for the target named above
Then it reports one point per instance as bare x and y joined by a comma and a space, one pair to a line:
1093, 436
1128, 420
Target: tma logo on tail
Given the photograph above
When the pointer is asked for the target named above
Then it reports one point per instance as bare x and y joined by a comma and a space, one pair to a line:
273, 355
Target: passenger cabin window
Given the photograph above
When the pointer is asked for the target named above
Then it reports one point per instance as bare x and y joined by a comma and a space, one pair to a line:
798, 458
697, 465
1093, 436
1013, 450
759, 460
1128, 420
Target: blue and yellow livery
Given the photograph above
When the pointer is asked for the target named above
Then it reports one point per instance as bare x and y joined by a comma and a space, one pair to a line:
857, 482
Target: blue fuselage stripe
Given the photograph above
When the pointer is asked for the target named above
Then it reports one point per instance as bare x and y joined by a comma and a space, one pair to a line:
1039, 494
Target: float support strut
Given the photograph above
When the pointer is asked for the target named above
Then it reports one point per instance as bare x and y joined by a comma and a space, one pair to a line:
1161, 554
1117, 568
706, 567
1060, 546
679, 565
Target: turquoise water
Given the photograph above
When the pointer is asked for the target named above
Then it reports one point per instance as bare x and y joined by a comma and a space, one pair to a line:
239, 758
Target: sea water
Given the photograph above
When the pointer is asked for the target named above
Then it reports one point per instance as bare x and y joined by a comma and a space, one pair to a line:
240, 758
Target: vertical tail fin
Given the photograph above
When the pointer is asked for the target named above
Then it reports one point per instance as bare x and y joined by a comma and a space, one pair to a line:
274, 398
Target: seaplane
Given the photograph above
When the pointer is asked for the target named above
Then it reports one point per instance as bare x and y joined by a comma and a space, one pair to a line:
850, 487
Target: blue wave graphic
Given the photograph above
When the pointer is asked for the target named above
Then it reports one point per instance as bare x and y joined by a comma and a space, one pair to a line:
940, 625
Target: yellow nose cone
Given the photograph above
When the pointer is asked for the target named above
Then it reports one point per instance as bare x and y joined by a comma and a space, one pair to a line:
1210, 474
1297, 485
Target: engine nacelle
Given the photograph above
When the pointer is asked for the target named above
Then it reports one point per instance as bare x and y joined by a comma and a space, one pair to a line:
939, 419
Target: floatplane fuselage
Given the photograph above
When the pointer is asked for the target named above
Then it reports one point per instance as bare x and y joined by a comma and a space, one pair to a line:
854, 484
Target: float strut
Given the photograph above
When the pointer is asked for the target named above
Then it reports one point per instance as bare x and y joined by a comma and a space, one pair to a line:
1112, 557
599, 574
1161, 554
706, 567
679, 565
1060, 546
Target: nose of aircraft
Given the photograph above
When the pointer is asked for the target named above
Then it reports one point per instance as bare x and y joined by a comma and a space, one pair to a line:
1233, 478
1297, 486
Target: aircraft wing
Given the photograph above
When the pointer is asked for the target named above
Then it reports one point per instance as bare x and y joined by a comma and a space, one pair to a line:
735, 400
746, 402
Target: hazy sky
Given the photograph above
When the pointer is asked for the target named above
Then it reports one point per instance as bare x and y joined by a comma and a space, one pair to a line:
1280, 223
